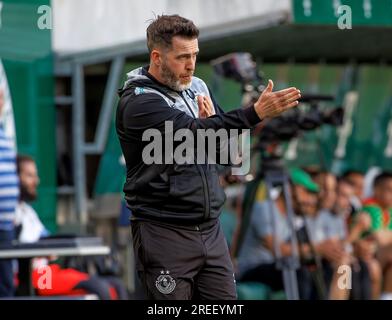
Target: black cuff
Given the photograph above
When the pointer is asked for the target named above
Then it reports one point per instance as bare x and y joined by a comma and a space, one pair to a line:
251, 115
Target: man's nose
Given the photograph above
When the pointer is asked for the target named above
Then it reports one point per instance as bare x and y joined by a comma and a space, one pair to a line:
191, 64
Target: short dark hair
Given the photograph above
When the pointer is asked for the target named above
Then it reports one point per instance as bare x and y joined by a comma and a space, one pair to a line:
381, 178
350, 172
20, 158
344, 180
162, 30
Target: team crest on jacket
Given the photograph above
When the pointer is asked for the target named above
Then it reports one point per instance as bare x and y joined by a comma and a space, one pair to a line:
165, 283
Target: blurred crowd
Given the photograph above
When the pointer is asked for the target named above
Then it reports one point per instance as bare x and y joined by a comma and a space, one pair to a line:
344, 237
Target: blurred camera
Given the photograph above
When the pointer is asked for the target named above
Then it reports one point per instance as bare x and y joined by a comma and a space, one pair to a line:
242, 68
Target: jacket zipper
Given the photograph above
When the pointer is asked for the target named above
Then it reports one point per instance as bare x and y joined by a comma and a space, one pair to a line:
206, 194
202, 175
189, 107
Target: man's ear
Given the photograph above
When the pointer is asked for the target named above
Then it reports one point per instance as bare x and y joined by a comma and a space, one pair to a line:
156, 57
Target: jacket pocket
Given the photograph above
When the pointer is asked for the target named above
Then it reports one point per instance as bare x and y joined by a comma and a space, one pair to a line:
188, 192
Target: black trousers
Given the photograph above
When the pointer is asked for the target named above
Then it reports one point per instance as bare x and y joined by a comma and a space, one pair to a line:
176, 262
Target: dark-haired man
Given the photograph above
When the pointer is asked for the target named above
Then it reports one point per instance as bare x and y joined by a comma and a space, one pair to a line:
357, 180
180, 248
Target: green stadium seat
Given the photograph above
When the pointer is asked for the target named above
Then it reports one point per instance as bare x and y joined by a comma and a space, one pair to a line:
278, 295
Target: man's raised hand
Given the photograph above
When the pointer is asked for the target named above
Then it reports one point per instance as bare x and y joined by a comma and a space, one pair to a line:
271, 104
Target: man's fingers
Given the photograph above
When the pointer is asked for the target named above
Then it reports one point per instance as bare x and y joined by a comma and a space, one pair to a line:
209, 101
280, 94
290, 105
202, 108
205, 106
200, 102
287, 102
289, 97
285, 91
210, 105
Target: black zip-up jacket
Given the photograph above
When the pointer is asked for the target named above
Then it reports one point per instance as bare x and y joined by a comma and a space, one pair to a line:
170, 193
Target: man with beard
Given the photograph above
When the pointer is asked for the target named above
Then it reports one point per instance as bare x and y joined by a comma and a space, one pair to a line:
175, 207
29, 227
9, 191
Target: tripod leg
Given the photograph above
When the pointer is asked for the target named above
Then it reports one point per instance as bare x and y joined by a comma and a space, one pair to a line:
290, 284
288, 265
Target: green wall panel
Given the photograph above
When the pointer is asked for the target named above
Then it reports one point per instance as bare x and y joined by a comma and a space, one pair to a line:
27, 56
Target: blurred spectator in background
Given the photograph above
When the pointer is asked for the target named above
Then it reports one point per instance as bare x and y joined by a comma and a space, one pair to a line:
327, 184
379, 208
324, 230
9, 191
335, 223
256, 259
336, 246
335, 233
30, 229
357, 181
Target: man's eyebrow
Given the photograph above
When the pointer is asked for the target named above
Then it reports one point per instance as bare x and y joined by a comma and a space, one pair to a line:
187, 54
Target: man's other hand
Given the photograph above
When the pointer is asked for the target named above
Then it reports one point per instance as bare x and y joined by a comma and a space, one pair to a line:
271, 104
206, 107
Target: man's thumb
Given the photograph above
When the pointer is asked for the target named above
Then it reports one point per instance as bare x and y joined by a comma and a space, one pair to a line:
270, 86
